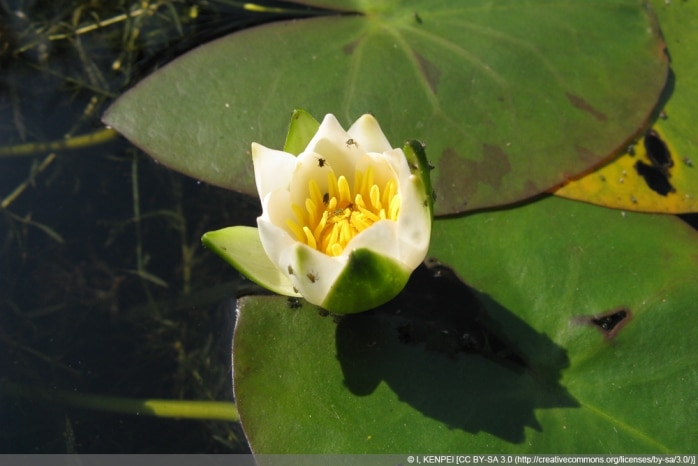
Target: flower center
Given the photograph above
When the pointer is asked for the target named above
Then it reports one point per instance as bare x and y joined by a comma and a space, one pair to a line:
328, 221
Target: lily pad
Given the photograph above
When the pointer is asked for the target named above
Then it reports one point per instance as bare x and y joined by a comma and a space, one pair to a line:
384, 381
510, 97
615, 290
634, 181
573, 339
651, 176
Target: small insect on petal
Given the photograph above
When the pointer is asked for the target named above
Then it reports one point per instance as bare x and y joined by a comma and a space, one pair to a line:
312, 277
351, 142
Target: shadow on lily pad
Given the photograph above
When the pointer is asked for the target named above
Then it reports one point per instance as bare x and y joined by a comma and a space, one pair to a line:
438, 350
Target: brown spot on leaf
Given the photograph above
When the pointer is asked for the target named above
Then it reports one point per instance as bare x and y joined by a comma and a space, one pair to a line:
585, 106
494, 156
430, 72
349, 48
609, 323
459, 177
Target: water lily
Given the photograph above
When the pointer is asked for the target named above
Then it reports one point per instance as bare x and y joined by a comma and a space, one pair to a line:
344, 223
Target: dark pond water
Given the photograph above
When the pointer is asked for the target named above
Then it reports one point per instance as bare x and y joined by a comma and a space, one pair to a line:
105, 288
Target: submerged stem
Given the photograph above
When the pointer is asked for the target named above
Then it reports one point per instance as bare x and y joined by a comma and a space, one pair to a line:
216, 410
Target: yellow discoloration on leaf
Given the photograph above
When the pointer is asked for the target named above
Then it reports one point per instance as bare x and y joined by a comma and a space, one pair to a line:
632, 181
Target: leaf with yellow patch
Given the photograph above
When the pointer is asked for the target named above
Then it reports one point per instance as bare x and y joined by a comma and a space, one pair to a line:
651, 176
635, 182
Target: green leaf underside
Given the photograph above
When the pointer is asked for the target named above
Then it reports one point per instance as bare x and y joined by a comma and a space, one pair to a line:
241, 247
356, 386
510, 97
301, 130
367, 281
417, 159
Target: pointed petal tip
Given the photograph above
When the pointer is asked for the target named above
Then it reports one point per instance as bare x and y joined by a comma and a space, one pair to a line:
368, 133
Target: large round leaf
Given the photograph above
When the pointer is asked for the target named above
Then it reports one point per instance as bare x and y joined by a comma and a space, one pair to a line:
305, 383
510, 97
586, 344
667, 182
559, 265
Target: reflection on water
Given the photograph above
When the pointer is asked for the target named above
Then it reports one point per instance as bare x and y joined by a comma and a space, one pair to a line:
104, 286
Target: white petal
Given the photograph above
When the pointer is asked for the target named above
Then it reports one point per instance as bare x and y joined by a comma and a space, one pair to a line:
275, 240
397, 160
332, 142
273, 169
381, 237
277, 208
368, 135
331, 130
307, 168
314, 273
414, 222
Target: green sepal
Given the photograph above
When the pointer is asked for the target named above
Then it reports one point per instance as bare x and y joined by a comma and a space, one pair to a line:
241, 247
417, 159
300, 131
368, 280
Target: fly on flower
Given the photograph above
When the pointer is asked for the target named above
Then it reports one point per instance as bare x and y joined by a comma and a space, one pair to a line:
360, 223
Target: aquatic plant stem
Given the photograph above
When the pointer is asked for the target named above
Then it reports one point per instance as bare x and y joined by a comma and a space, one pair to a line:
75, 142
136, 213
140, 264
181, 409
10, 198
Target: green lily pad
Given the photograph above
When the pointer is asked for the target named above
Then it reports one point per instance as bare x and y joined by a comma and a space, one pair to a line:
633, 181
680, 114
359, 386
559, 265
510, 97
580, 340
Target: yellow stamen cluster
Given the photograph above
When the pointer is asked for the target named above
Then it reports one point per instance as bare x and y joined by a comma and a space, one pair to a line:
328, 221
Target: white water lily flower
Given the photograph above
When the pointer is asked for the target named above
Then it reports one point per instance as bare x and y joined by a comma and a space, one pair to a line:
346, 221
